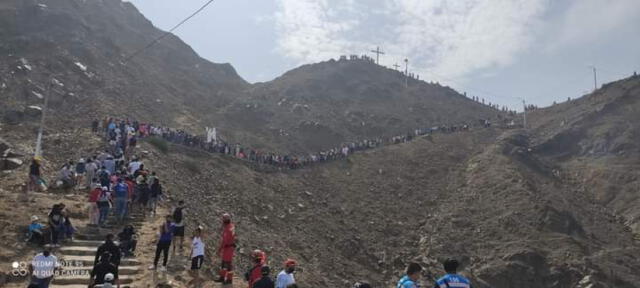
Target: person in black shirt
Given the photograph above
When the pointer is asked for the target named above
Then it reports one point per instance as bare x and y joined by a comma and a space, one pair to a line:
103, 268
128, 241
55, 223
265, 281
108, 247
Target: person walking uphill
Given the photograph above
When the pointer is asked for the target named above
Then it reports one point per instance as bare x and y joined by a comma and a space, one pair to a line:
110, 248
178, 233
253, 275
410, 280
285, 277
165, 235
452, 279
226, 250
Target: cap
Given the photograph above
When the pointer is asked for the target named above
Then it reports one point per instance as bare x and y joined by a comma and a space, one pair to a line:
108, 277
290, 262
226, 216
34, 218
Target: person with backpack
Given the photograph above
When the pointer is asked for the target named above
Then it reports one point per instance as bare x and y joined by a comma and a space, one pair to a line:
452, 279
165, 234
121, 191
410, 280
110, 248
104, 205
178, 220
104, 177
101, 270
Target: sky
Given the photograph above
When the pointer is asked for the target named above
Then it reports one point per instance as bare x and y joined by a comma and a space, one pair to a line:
500, 50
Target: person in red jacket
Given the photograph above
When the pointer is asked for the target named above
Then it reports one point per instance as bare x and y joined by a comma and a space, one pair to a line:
227, 249
255, 273
93, 205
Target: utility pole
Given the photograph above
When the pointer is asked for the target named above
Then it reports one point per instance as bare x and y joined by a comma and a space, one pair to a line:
524, 113
44, 113
595, 79
377, 52
406, 72
396, 66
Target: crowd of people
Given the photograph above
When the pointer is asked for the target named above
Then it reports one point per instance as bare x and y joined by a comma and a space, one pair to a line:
118, 183
123, 133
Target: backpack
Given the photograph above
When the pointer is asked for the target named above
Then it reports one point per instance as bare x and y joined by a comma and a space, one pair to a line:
103, 196
177, 215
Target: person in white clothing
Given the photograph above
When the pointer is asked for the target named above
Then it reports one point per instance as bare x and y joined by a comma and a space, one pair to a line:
285, 277
43, 268
134, 166
197, 257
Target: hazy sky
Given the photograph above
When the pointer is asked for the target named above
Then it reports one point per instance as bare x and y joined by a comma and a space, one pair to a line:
496, 49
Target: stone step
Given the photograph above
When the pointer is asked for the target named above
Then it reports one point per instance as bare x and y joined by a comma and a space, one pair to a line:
87, 260
78, 250
122, 270
83, 279
87, 243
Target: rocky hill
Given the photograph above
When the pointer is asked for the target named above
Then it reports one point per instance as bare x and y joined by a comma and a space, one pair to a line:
86, 47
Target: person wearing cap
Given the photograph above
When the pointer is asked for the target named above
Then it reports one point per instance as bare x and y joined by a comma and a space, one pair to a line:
285, 277
265, 281
227, 249
101, 270
410, 280
108, 282
253, 275
35, 233
452, 279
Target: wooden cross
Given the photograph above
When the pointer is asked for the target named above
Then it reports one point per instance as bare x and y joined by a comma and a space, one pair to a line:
377, 52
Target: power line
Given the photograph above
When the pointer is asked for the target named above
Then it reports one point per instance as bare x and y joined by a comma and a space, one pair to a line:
155, 41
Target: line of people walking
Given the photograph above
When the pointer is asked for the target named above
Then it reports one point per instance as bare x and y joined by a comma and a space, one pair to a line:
123, 133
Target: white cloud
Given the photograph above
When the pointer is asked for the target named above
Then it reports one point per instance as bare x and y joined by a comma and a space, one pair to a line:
449, 38
585, 21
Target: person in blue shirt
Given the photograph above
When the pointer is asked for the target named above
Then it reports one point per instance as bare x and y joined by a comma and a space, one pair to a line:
121, 191
35, 233
410, 280
452, 279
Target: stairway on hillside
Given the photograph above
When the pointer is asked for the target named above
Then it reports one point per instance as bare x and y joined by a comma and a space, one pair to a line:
77, 256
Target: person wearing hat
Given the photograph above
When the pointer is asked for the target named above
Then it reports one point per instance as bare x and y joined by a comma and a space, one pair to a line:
108, 282
265, 281
452, 279
35, 234
227, 249
260, 259
285, 277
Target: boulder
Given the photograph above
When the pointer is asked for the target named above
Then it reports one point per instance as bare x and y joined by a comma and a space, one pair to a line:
11, 163
4, 145
13, 117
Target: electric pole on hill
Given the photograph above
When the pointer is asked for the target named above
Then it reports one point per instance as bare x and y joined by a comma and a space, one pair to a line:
524, 112
377, 52
595, 78
396, 66
406, 72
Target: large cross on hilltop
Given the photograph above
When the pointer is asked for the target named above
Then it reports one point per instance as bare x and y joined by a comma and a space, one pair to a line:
396, 66
377, 52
